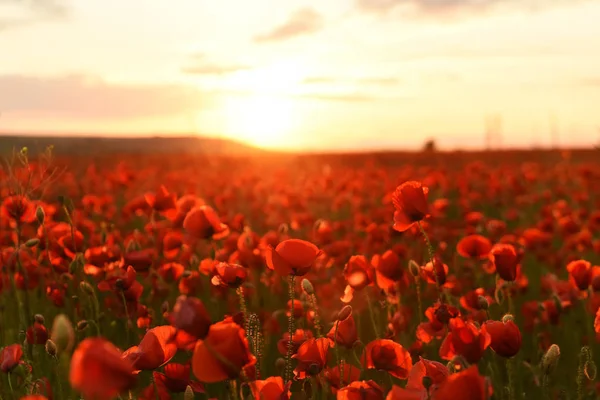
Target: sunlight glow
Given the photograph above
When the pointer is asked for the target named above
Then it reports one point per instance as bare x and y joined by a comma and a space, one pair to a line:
260, 120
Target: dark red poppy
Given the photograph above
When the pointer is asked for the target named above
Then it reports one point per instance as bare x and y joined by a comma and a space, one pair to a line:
358, 272
312, 357
292, 257
505, 259
190, 315
176, 378
299, 337
388, 269
436, 372
505, 337
436, 272
161, 200
18, 208
37, 334
170, 272
223, 354
271, 388
344, 332
580, 273
156, 348
10, 357
387, 355
474, 246
98, 371
202, 222
351, 374
410, 203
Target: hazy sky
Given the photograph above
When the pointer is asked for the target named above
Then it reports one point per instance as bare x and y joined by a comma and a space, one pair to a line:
306, 74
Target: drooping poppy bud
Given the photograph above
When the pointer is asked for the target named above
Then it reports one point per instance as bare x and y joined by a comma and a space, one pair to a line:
387, 355
580, 273
505, 259
505, 337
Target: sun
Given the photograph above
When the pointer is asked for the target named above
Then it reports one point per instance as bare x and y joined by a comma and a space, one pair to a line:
262, 120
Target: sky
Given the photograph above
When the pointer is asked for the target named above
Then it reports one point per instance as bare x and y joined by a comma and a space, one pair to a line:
297, 74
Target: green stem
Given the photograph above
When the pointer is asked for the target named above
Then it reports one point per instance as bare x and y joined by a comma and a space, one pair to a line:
288, 357
431, 259
313, 303
420, 304
126, 315
337, 354
372, 314
243, 308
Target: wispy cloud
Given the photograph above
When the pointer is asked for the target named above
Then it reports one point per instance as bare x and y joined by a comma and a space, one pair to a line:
19, 13
456, 8
200, 65
83, 96
301, 22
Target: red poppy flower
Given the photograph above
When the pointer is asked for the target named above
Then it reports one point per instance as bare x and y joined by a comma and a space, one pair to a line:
439, 316
346, 331
474, 246
37, 334
299, 337
10, 357
223, 354
580, 273
435, 371
465, 339
435, 273
312, 356
162, 200
387, 355
98, 371
229, 275
388, 269
361, 390
190, 315
351, 374
410, 202
156, 348
292, 257
505, 337
505, 260
170, 272
467, 384
202, 222
271, 388
358, 272
18, 208
176, 378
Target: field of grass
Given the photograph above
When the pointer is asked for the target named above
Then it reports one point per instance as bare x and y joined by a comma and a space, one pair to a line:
203, 274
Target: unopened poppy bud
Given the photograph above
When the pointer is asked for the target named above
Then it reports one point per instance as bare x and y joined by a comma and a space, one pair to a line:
427, 382
62, 334
589, 369
307, 287
414, 268
188, 394
51, 348
82, 325
344, 313
557, 302
280, 364
40, 215
314, 369
550, 359
32, 242
283, 229
508, 317
483, 303
86, 288
39, 318
187, 273
120, 284
164, 307
499, 295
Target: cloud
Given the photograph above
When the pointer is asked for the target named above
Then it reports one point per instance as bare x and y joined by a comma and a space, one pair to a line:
19, 13
83, 96
454, 8
201, 66
353, 97
301, 22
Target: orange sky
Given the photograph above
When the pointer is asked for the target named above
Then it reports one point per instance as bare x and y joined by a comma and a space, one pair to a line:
305, 74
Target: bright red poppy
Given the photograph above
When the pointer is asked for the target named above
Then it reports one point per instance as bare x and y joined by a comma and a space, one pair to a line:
387, 355
505, 337
410, 203
474, 246
292, 257
190, 315
312, 357
156, 348
361, 390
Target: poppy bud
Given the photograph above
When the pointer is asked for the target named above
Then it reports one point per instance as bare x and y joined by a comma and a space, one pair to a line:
280, 364
589, 369
307, 287
344, 313
189, 393
499, 295
165, 307
414, 269
186, 274
32, 242
314, 369
508, 317
86, 288
40, 215
51, 348
550, 359
483, 303
120, 284
62, 333
283, 229
39, 318
82, 325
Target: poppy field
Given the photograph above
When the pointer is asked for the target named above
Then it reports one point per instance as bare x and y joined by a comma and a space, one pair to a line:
425, 276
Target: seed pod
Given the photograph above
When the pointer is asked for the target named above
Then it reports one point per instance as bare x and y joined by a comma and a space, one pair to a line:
62, 333
40, 215
51, 348
189, 393
307, 287
550, 359
82, 325
508, 317
32, 242
483, 303
414, 268
39, 318
427, 382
